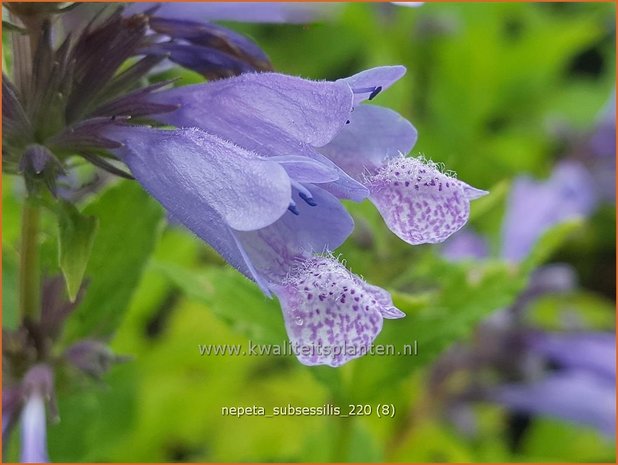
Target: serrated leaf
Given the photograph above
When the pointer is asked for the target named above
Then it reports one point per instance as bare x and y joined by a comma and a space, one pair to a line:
233, 298
76, 234
467, 293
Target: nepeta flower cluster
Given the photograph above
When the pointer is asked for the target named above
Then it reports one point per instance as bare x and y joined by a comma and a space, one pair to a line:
256, 164
257, 168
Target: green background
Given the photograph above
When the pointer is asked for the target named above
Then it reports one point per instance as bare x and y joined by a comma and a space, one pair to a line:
495, 91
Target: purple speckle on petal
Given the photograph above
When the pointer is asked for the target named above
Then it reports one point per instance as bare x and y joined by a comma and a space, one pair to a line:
333, 318
428, 211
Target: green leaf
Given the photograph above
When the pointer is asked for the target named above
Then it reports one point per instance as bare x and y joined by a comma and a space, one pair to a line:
550, 242
93, 412
233, 298
129, 223
464, 295
75, 239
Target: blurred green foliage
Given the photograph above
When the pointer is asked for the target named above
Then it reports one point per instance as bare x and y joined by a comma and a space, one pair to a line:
492, 89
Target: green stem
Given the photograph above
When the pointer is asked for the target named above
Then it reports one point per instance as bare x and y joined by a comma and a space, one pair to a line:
29, 272
343, 435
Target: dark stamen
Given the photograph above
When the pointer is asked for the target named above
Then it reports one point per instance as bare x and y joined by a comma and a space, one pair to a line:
375, 92
293, 209
307, 199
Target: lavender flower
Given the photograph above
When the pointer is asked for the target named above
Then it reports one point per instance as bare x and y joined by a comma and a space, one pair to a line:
600, 152
256, 167
255, 12
37, 388
534, 207
583, 391
253, 182
249, 216
465, 245
566, 375
276, 115
418, 201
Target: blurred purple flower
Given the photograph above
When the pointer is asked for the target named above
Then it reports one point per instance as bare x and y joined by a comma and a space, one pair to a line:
583, 390
254, 12
567, 375
184, 35
465, 246
535, 206
91, 357
595, 352
603, 141
37, 389
602, 147
215, 51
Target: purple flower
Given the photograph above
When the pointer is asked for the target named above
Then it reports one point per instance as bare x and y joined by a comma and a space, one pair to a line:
603, 141
259, 176
277, 116
331, 315
465, 245
211, 50
91, 357
273, 116
535, 206
601, 156
576, 396
580, 389
254, 12
241, 204
182, 34
419, 202
37, 388
595, 352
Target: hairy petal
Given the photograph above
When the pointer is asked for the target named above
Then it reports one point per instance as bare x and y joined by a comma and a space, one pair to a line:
189, 169
331, 315
272, 115
419, 203
374, 135
251, 108
188, 172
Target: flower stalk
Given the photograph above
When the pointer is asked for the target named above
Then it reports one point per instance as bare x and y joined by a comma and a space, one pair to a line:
29, 272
